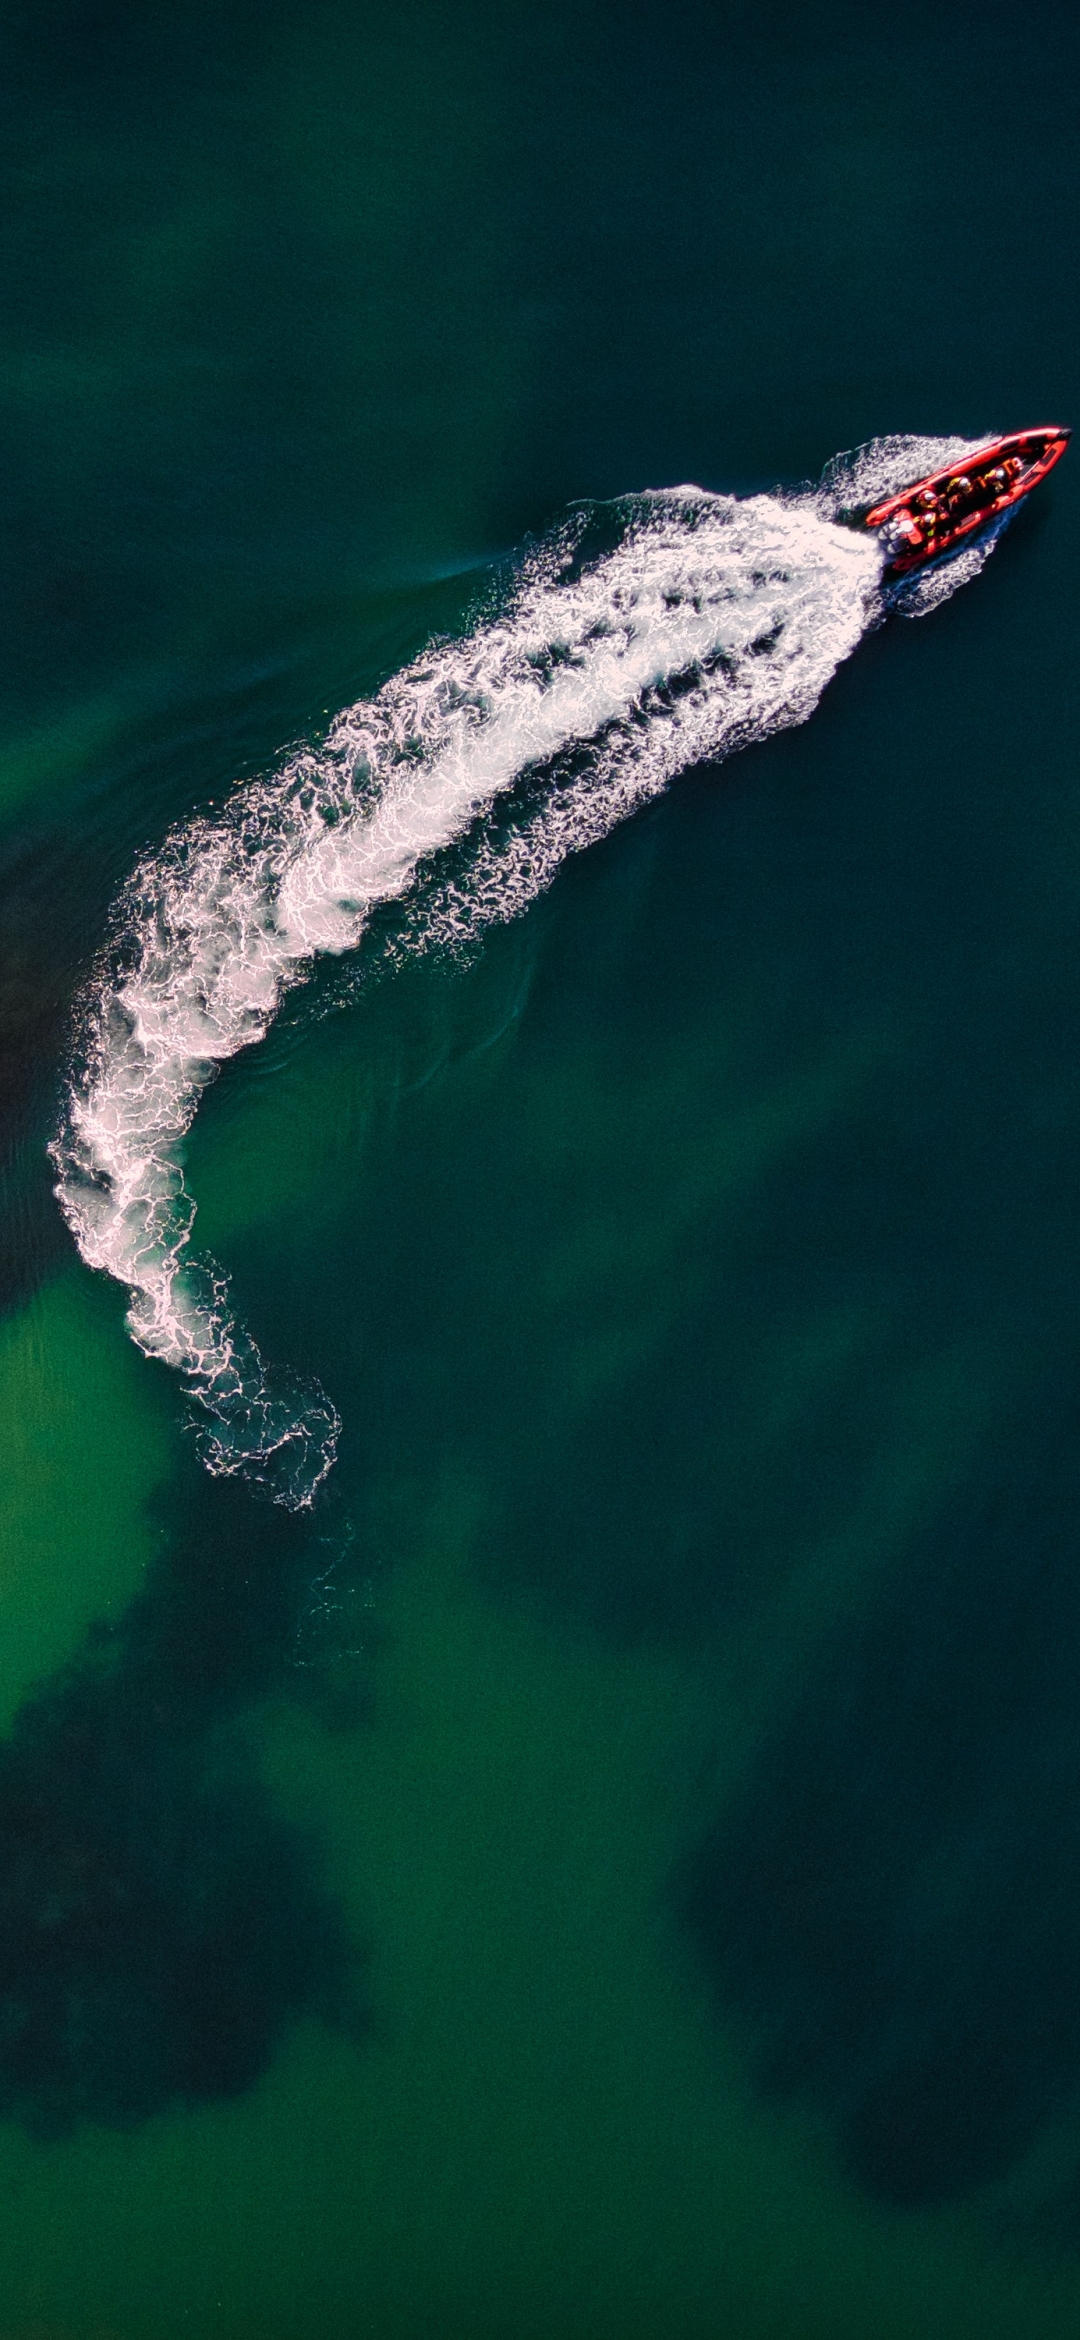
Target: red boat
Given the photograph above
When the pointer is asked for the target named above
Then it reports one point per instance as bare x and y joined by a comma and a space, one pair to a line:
943, 511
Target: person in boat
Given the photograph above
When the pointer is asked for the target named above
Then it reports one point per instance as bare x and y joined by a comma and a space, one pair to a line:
912, 528
1000, 480
958, 496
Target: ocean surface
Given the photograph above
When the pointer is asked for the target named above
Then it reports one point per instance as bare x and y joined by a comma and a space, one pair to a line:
540, 1161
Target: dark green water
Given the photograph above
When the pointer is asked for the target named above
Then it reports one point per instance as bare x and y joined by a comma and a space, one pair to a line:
613, 1868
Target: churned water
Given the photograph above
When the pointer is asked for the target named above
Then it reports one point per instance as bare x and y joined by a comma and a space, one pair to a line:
709, 625
540, 1777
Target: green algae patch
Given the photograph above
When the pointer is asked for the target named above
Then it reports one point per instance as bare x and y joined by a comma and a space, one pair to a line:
83, 1447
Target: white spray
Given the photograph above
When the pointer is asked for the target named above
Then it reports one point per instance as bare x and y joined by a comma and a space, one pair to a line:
712, 622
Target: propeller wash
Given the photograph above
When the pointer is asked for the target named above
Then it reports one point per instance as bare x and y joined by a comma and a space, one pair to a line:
707, 622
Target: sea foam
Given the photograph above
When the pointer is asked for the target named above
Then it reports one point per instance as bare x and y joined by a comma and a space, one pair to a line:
705, 623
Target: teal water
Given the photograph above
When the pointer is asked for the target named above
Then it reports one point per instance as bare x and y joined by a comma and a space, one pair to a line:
609, 1864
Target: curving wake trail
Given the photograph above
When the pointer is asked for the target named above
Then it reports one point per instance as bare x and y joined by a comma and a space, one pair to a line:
708, 622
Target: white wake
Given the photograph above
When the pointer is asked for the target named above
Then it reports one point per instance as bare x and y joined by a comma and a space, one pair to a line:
708, 622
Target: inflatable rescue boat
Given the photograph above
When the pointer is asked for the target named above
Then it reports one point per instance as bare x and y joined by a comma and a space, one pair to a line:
949, 507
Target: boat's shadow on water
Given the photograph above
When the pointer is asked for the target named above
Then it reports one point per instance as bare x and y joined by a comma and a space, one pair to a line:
161, 1924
